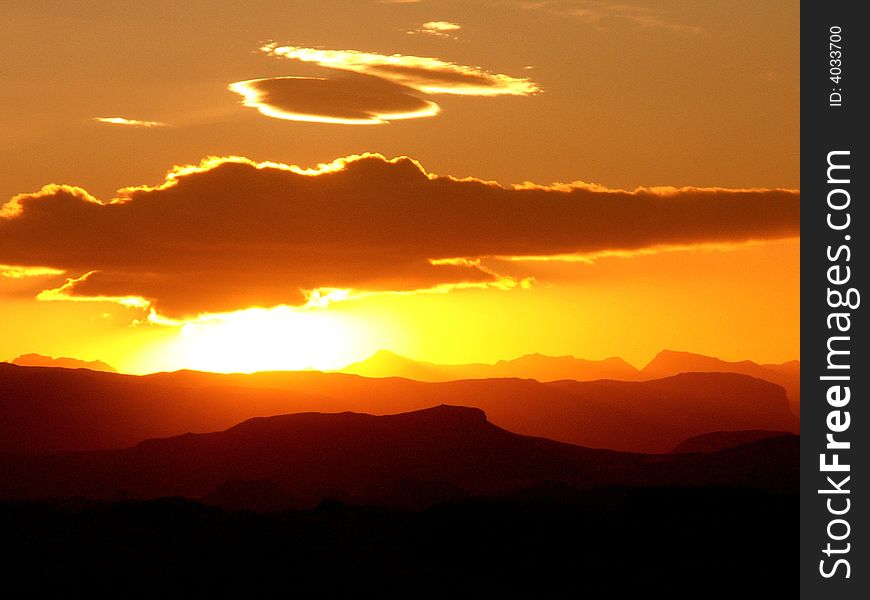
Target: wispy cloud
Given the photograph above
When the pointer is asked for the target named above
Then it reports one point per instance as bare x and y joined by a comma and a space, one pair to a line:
18, 272
437, 28
128, 122
425, 74
370, 88
604, 15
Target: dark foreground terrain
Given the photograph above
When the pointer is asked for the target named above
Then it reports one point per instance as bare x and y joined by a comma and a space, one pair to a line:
439, 502
548, 542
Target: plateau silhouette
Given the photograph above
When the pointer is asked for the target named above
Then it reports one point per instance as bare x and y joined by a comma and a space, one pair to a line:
406, 460
49, 409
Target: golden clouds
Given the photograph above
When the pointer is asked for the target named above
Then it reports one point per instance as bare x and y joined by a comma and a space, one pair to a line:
17, 272
67, 292
128, 122
438, 29
231, 233
425, 74
373, 88
346, 101
15, 204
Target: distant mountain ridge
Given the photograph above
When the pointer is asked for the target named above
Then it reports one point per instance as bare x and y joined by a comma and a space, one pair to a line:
38, 360
787, 374
540, 367
556, 368
530, 366
410, 459
49, 410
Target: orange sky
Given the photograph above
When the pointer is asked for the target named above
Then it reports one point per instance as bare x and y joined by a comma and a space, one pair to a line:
108, 95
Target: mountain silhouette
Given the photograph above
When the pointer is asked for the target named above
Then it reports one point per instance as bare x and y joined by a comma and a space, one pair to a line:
671, 362
410, 459
556, 368
38, 360
531, 366
384, 363
721, 440
50, 409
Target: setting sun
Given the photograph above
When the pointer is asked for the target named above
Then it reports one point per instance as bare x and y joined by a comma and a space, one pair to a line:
257, 339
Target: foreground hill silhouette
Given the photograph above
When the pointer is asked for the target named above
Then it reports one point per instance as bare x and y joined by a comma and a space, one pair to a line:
38, 360
406, 460
46, 409
602, 543
720, 440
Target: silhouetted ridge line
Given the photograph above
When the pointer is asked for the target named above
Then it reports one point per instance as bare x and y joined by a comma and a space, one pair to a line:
47, 409
666, 363
384, 363
38, 360
670, 362
721, 440
408, 460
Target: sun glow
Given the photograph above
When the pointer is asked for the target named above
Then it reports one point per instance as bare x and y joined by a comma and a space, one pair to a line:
259, 339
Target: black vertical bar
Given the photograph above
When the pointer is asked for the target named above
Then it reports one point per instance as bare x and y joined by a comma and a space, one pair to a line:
834, 225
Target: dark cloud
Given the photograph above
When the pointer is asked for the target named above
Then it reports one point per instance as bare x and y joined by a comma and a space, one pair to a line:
232, 233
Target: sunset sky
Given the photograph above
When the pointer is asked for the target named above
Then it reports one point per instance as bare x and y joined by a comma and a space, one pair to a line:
280, 185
